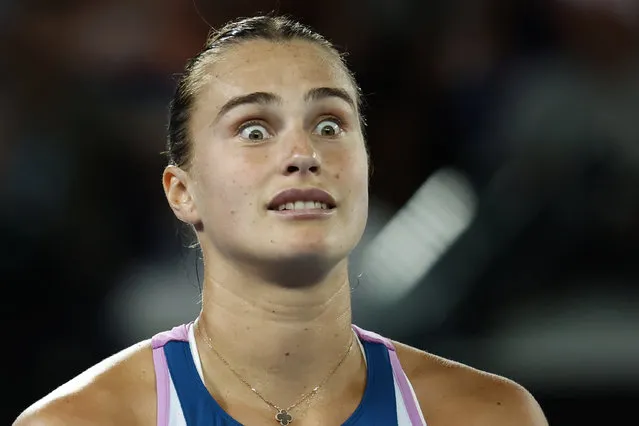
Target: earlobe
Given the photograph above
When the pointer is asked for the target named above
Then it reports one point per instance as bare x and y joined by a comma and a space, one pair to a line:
176, 188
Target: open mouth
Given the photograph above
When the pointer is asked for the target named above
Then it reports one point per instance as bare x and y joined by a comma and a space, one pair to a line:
309, 200
302, 206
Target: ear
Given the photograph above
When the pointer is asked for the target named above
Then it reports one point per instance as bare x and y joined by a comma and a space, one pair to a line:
177, 190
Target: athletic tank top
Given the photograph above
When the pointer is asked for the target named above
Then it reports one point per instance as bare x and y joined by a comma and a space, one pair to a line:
183, 400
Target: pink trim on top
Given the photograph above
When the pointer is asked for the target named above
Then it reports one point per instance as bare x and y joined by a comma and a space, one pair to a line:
162, 379
162, 386
410, 401
180, 332
371, 336
402, 381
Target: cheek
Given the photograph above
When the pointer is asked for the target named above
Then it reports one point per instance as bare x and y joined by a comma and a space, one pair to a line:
223, 190
361, 174
351, 172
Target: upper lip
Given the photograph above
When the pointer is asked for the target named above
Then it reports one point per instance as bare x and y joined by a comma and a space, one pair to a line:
302, 194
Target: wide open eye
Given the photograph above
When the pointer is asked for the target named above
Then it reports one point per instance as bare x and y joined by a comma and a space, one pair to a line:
254, 132
328, 127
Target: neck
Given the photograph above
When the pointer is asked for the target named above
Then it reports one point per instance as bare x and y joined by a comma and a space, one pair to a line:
282, 340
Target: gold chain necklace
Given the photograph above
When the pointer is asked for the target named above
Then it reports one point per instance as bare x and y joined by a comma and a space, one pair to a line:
283, 415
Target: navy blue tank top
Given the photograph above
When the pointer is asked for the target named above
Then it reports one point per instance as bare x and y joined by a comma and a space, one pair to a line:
377, 407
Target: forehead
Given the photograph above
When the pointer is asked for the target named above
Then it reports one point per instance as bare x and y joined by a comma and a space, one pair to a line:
288, 69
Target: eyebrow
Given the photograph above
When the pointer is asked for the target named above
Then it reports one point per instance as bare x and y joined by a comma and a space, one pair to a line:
319, 93
268, 98
260, 98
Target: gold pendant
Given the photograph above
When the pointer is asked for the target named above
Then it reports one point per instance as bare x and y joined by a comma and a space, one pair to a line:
283, 417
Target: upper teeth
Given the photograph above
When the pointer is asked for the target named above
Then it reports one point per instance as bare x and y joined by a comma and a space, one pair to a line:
303, 205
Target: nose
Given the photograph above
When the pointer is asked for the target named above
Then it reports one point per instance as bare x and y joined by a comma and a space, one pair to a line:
303, 160
303, 164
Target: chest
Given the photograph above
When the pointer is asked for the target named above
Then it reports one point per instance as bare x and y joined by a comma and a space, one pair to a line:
324, 411
370, 402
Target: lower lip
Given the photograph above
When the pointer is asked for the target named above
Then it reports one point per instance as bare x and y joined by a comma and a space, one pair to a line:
304, 214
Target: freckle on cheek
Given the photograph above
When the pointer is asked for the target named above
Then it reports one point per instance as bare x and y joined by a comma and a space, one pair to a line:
232, 211
336, 175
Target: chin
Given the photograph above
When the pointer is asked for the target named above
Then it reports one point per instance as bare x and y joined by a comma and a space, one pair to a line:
302, 265
304, 254
314, 248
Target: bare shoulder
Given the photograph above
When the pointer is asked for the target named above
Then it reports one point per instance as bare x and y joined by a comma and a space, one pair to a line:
118, 390
451, 393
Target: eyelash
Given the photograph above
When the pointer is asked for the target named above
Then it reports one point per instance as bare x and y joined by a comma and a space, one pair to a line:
337, 120
254, 122
250, 123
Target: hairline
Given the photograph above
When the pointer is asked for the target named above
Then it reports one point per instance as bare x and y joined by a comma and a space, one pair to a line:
199, 73
197, 78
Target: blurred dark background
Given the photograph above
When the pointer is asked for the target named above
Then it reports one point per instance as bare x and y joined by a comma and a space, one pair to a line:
504, 227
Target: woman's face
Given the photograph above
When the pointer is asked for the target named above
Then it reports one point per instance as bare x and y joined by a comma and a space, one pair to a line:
271, 118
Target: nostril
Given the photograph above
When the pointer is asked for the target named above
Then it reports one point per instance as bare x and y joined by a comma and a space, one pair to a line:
292, 169
313, 169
